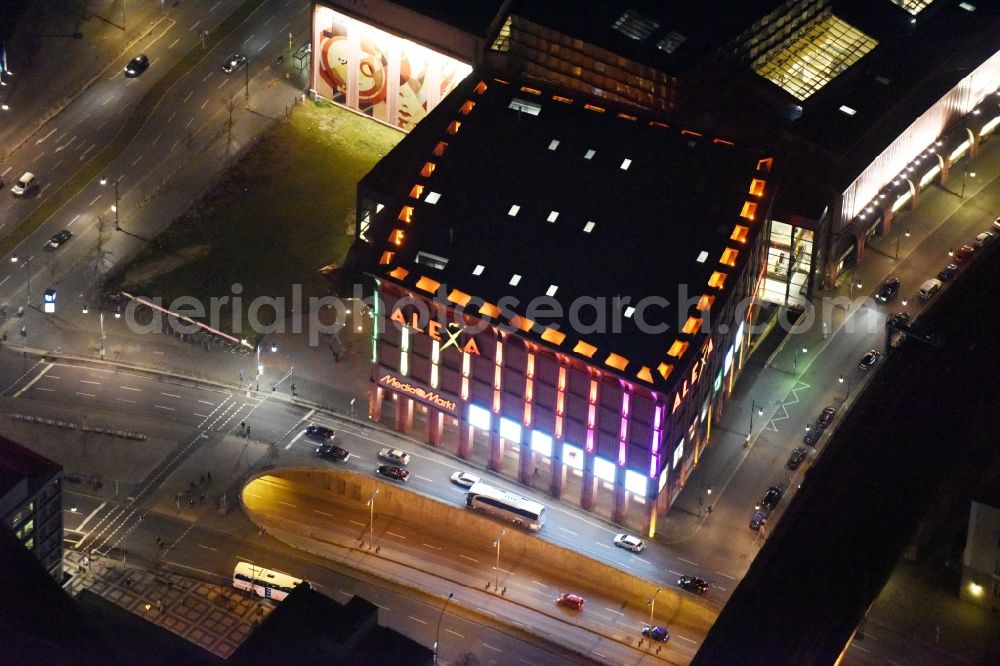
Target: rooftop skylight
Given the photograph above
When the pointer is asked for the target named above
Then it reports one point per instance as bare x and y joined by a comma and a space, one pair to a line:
587, 228
634, 25
702, 256
432, 197
513, 210
553, 216
478, 270
515, 279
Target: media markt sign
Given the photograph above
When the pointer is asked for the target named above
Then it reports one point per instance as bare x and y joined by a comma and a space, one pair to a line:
405, 386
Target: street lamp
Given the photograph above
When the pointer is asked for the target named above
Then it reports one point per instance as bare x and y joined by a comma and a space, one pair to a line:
114, 208
900, 232
496, 544
795, 359
27, 263
853, 285
848, 385
371, 520
437, 638
760, 412
652, 606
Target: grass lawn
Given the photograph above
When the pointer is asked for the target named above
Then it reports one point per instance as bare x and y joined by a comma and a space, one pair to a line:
275, 218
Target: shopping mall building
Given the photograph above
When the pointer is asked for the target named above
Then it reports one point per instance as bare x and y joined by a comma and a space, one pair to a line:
563, 289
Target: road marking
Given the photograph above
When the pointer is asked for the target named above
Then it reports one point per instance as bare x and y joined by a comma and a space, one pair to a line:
89, 395
385, 608
726, 589
50, 376
323, 513
416, 619
85, 154
203, 416
132, 402
295, 439
169, 409
258, 497
65, 145
269, 19
158, 353
247, 39
136, 161
70, 223
455, 632
540, 584
219, 87
676, 573
726, 575
570, 531
400, 536
263, 46
206, 402
94, 200
203, 105
201, 545
173, 43
5, 171
346, 594
357, 523
468, 558
685, 638
495, 649
110, 97
190, 120
422, 477
195, 25
602, 656
207, 77
694, 564
613, 610
483, 610
525, 661
855, 645
175, 145
215, 6
434, 547
175, 113
39, 388
169, 395
79, 528
87, 381
54, 129
190, 92
285, 27
38, 156
287, 504
601, 543
129, 388
640, 559
8, 277
509, 573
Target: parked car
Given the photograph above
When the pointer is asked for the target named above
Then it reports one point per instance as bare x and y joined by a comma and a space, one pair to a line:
332, 452
771, 498
888, 290
394, 473
869, 360
812, 434
983, 238
899, 318
24, 184
948, 272
826, 417
757, 519
964, 253
395, 456
573, 601
996, 224
928, 289
629, 542
320, 433
464, 479
692, 584
59, 239
137, 65
656, 633
233, 63
794, 460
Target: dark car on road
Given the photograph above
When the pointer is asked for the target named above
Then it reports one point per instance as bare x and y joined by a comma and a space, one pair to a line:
757, 519
899, 318
320, 433
812, 435
137, 65
826, 417
332, 452
233, 63
964, 253
59, 239
771, 498
798, 455
394, 473
869, 360
693, 584
948, 272
888, 290
656, 633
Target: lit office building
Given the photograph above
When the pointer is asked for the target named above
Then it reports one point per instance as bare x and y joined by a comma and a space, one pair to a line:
563, 289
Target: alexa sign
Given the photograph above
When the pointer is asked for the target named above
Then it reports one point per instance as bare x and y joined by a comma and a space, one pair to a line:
448, 334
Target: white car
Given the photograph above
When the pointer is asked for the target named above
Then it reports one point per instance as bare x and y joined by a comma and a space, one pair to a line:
464, 479
24, 184
629, 542
984, 238
395, 456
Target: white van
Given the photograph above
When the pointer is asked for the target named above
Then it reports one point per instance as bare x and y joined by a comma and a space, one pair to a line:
929, 288
24, 184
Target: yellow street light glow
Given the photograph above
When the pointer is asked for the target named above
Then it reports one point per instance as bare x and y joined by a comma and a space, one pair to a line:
975, 589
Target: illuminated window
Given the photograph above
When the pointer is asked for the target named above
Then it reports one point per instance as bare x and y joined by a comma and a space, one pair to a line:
432, 197
416, 192
386, 258
757, 187
468, 106
705, 302
584, 349
514, 280
479, 417
396, 237
553, 216
729, 257
634, 25
541, 443
847, 110
626, 163
572, 456
513, 210
553, 336
629, 311
692, 325
481, 86
645, 374
532, 91
551, 291
510, 430
678, 453
914, 7
749, 210
591, 107
616, 361
459, 297
526, 106
553, 144
740, 233
718, 280
807, 64
604, 469
427, 284
702, 256
489, 310
453, 127
670, 42
677, 349
427, 169
589, 155
636, 483
560, 98
399, 273
440, 148
432, 260
765, 164
664, 369
587, 228
478, 270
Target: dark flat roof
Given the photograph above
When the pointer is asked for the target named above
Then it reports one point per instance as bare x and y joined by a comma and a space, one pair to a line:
681, 195
470, 16
18, 462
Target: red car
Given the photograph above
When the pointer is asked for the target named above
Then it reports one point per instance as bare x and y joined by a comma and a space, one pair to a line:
574, 601
963, 254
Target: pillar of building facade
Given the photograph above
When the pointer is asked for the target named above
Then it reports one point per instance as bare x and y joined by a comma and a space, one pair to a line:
557, 479
464, 439
375, 403
587, 495
526, 464
496, 451
859, 248
404, 414
649, 518
888, 215
620, 512
435, 424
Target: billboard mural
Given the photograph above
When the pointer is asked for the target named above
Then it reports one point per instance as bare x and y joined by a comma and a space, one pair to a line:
378, 74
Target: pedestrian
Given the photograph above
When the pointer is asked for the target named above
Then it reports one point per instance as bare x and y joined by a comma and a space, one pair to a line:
201, 479
209, 476
191, 502
191, 486
248, 431
202, 498
243, 425
128, 581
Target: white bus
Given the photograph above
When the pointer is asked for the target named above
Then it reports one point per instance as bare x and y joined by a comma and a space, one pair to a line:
264, 582
508, 506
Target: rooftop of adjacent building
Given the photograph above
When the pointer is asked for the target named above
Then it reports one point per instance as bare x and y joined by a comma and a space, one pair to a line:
536, 195
474, 18
18, 462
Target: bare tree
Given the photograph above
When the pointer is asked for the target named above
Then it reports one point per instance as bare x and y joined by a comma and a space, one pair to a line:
230, 105
102, 254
